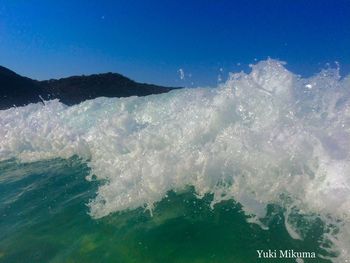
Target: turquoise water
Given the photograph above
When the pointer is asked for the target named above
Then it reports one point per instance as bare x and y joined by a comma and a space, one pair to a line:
44, 218
75, 181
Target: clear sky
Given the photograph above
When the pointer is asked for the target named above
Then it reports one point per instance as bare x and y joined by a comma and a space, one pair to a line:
149, 41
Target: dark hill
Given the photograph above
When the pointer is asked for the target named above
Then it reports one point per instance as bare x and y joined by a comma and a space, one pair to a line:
17, 90
75, 89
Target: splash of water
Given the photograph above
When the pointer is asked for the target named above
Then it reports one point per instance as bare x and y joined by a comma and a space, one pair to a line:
260, 138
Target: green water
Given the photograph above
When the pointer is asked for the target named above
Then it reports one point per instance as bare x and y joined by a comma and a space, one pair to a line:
44, 218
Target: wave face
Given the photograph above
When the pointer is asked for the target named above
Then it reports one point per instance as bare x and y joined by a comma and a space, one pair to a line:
268, 137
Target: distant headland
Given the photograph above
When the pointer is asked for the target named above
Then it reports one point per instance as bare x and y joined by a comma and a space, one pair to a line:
16, 90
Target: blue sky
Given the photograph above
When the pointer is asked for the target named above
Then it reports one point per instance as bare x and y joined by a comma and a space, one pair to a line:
149, 41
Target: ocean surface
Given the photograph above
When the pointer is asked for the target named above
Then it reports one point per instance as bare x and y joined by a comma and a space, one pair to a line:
195, 175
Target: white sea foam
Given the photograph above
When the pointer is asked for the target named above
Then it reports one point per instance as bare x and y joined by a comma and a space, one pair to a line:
264, 137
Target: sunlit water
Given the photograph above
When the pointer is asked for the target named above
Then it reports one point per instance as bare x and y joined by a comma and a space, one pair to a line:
195, 175
44, 219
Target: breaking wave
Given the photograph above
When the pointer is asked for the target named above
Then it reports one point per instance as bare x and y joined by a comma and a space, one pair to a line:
267, 137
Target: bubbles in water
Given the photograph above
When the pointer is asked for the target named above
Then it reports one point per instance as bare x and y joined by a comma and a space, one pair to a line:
260, 138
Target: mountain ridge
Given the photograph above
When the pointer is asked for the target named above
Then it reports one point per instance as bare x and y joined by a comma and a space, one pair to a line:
17, 90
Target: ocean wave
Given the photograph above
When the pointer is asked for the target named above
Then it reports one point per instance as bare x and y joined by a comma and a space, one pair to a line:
265, 137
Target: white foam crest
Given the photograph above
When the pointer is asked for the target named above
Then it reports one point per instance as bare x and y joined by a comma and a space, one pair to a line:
258, 138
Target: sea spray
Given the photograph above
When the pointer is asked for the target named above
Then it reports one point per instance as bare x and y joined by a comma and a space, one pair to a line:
267, 137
